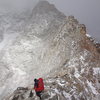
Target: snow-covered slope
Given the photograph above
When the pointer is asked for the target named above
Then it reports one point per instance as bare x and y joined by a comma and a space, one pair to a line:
11, 25
49, 44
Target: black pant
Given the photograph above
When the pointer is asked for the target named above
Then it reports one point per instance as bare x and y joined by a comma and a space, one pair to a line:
39, 94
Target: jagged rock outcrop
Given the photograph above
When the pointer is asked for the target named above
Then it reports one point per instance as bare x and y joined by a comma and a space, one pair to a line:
98, 47
55, 46
96, 44
69, 85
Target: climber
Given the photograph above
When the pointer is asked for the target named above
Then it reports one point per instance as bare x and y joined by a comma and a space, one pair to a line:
38, 86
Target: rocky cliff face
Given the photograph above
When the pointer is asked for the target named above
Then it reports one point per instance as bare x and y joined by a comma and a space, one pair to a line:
98, 47
53, 46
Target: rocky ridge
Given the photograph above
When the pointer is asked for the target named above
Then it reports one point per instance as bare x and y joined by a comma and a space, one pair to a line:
56, 45
77, 79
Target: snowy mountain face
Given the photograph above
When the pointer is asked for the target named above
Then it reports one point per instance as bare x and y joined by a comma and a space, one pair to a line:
11, 24
48, 44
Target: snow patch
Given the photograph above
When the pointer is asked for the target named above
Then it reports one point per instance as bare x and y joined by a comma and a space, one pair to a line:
82, 58
92, 87
88, 35
77, 75
61, 82
96, 71
67, 95
56, 91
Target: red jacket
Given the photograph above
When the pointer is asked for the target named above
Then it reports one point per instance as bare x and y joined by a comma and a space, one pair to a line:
40, 85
